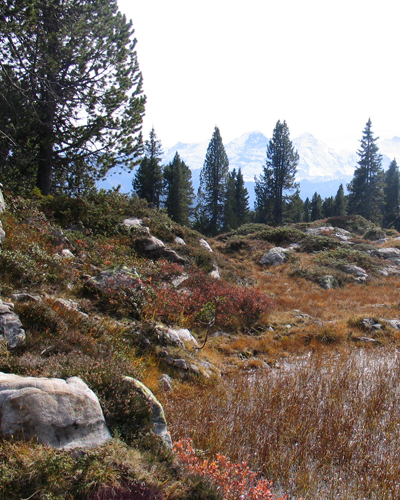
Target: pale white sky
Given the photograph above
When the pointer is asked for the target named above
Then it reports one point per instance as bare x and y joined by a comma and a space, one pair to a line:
323, 66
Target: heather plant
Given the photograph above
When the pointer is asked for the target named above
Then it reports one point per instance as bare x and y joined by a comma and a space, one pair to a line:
234, 481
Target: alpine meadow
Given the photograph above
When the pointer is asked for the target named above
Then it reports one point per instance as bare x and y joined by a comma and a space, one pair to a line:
176, 342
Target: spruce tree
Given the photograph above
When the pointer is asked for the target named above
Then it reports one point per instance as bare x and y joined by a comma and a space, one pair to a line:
178, 191
392, 190
71, 89
278, 178
307, 210
366, 187
295, 208
148, 180
340, 206
230, 219
316, 207
241, 208
328, 207
210, 211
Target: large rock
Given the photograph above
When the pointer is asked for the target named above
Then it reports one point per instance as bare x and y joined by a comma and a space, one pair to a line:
204, 244
359, 272
11, 330
274, 257
114, 278
60, 413
156, 248
158, 417
392, 254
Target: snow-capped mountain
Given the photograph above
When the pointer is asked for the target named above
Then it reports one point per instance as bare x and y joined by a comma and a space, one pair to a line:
321, 169
317, 160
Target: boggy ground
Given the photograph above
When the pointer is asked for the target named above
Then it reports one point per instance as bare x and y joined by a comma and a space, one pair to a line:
301, 386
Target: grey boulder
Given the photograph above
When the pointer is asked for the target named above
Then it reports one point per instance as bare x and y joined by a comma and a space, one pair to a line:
59, 413
274, 257
11, 331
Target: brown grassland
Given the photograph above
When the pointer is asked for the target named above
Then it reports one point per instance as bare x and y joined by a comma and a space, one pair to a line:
301, 387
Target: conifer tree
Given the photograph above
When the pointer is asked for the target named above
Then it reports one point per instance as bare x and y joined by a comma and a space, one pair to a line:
278, 178
366, 187
210, 211
307, 210
295, 208
316, 207
241, 200
340, 206
148, 180
392, 190
328, 207
230, 219
71, 89
178, 191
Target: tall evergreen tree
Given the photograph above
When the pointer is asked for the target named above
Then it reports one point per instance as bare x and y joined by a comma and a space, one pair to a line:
295, 208
278, 178
230, 219
366, 187
178, 191
210, 211
392, 190
316, 207
241, 200
307, 210
340, 206
72, 90
328, 207
148, 180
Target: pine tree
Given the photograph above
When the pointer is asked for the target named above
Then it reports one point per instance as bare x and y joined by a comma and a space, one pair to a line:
328, 207
72, 90
392, 190
316, 207
230, 219
295, 208
241, 200
278, 177
366, 187
210, 211
340, 206
148, 180
178, 190
307, 210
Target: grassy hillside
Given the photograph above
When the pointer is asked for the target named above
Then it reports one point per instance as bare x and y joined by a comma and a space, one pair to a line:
298, 380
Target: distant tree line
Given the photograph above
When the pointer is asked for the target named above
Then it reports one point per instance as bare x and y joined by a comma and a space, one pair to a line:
71, 109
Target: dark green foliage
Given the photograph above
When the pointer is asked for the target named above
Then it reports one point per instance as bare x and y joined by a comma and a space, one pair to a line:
340, 205
148, 181
295, 208
237, 201
278, 178
210, 211
179, 194
307, 210
328, 207
392, 193
316, 207
71, 92
366, 188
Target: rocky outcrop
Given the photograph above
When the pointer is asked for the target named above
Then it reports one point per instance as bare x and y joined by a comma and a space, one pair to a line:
178, 336
328, 281
274, 257
204, 244
11, 331
356, 271
392, 254
156, 249
114, 278
158, 417
59, 413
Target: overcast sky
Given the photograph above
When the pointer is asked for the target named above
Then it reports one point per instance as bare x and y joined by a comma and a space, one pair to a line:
323, 66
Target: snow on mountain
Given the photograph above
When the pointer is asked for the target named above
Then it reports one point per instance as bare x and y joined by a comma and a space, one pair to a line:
248, 152
321, 168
